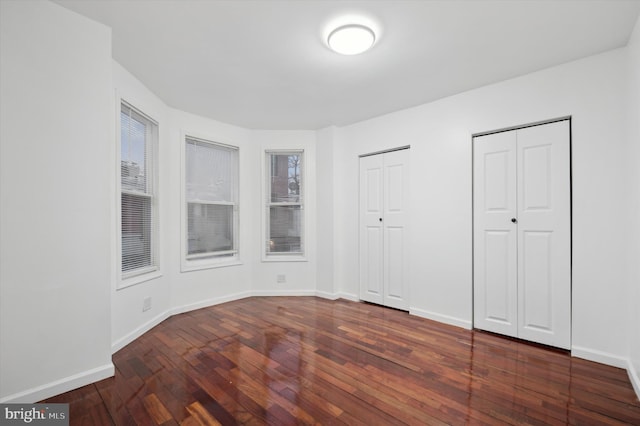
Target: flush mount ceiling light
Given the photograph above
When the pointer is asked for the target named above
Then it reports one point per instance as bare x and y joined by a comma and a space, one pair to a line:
351, 39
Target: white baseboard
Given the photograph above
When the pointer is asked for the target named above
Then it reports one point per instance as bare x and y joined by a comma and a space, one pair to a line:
210, 302
124, 341
319, 293
327, 295
446, 319
66, 384
130, 337
599, 356
634, 377
336, 296
283, 293
348, 296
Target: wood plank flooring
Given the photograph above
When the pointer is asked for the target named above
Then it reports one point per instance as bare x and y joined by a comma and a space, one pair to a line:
306, 360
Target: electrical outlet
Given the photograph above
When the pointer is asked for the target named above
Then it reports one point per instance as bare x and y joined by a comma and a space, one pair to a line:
281, 279
146, 304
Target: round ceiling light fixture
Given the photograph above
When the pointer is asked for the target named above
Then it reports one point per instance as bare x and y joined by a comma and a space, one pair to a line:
351, 39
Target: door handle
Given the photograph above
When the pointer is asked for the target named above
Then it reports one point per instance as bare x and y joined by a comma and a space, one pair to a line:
514, 220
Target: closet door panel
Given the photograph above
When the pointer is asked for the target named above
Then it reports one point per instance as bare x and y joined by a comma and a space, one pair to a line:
537, 282
396, 218
497, 296
495, 241
394, 263
371, 230
544, 239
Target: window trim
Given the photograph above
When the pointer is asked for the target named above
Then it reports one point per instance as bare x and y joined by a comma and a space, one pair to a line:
137, 276
224, 258
267, 204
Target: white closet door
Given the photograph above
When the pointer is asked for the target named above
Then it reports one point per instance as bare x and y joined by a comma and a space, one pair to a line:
395, 220
495, 234
544, 240
522, 233
371, 229
384, 240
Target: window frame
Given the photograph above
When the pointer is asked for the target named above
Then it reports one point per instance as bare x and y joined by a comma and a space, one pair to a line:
221, 258
145, 273
267, 256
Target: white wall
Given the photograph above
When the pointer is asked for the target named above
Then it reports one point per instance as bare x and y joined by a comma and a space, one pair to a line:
55, 191
325, 212
592, 91
194, 289
633, 218
128, 319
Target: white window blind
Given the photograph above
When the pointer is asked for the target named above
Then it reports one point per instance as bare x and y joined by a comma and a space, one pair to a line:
285, 208
211, 193
138, 138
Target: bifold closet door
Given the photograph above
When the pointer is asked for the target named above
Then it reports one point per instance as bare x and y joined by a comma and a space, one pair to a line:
495, 241
371, 229
384, 239
522, 240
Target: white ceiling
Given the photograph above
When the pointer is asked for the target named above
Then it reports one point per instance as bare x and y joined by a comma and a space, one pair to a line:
265, 64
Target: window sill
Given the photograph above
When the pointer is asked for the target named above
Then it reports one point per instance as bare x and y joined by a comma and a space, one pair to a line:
284, 258
195, 265
137, 279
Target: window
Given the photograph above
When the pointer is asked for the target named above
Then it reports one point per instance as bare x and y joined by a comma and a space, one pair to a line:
284, 209
211, 196
138, 139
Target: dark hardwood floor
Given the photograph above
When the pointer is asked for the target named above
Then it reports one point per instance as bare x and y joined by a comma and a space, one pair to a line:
306, 360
